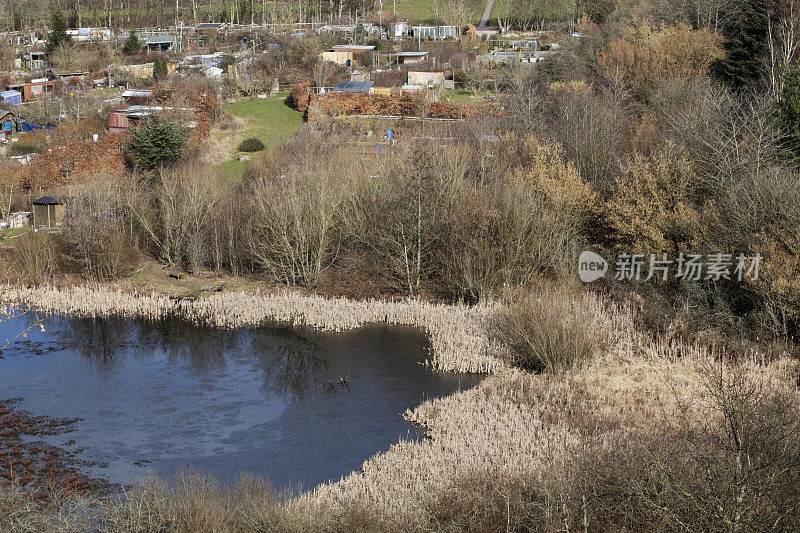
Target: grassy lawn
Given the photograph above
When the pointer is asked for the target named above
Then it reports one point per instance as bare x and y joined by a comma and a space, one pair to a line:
423, 10
461, 96
268, 119
11, 234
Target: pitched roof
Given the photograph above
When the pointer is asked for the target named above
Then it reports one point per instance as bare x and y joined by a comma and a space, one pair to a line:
354, 47
47, 200
161, 39
137, 93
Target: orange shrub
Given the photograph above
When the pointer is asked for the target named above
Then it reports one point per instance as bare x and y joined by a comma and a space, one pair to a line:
405, 105
72, 163
299, 98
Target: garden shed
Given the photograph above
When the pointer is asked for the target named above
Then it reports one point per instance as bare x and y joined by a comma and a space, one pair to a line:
11, 97
160, 43
48, 212
8, 123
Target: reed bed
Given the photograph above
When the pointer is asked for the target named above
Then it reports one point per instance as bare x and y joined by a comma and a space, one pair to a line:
460, 336
514, 424
519, 425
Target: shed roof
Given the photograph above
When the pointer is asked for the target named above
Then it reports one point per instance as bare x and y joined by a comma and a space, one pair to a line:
137, 93
10, 93
353, 86
354, 47
4, 114
161, 39
412, 54
47, 200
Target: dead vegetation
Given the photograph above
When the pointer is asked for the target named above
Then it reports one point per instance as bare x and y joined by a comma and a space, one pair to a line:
642, 434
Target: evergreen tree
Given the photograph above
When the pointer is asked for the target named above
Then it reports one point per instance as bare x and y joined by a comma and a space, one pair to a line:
746, 42
58, 33
159, 69
156, 143
790, 102
132, 44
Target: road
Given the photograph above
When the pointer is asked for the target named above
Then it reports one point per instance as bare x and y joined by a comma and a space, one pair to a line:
487, 14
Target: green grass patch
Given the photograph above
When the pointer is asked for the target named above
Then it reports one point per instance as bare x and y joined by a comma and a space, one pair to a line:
424, 11
10, 234
460, 96
268, 119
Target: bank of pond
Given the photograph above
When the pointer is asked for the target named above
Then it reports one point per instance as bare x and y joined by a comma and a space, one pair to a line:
120, 398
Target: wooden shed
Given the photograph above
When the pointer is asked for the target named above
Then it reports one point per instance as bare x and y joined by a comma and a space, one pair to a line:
48, 212
33, 90
8, 123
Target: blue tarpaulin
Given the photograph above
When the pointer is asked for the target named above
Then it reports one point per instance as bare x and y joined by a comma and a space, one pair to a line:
27, 127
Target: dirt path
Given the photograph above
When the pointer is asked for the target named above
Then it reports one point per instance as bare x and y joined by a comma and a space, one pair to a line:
487, 14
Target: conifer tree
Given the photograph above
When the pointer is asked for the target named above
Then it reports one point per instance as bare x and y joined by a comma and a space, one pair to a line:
132, 44
58, 33
744, 46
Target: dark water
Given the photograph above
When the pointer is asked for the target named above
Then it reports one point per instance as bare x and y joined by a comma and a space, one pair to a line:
156, 397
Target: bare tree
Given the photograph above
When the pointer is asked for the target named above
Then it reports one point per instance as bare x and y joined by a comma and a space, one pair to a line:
783, 40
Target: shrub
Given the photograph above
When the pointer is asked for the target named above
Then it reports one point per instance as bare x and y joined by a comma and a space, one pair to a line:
23, 148
299, 98
526, 226
252, 144
36, 258
293, 234
228, 122
95, 236
674, 52
157, 142
551, 330
652, 208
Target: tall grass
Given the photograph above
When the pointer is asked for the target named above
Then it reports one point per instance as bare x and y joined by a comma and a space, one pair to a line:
35, 259
20, 515
552, 330
196, 502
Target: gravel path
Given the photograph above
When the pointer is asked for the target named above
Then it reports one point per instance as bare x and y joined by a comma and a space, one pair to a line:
487, 13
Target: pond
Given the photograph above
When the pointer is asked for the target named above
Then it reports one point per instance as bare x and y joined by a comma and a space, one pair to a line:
295, 406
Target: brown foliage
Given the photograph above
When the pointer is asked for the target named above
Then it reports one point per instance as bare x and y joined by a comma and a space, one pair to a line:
73, 163
299, 98
650, 55
406, 105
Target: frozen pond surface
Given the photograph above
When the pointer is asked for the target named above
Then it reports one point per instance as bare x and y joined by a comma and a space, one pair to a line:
157, 397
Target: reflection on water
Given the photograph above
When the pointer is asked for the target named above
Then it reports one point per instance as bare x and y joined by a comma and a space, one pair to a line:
157, 396
286, 359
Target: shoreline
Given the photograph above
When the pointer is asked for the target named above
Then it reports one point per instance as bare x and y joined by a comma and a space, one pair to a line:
459, 335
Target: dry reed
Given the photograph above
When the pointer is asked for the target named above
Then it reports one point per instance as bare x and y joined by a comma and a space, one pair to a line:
460, 335
513, 423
